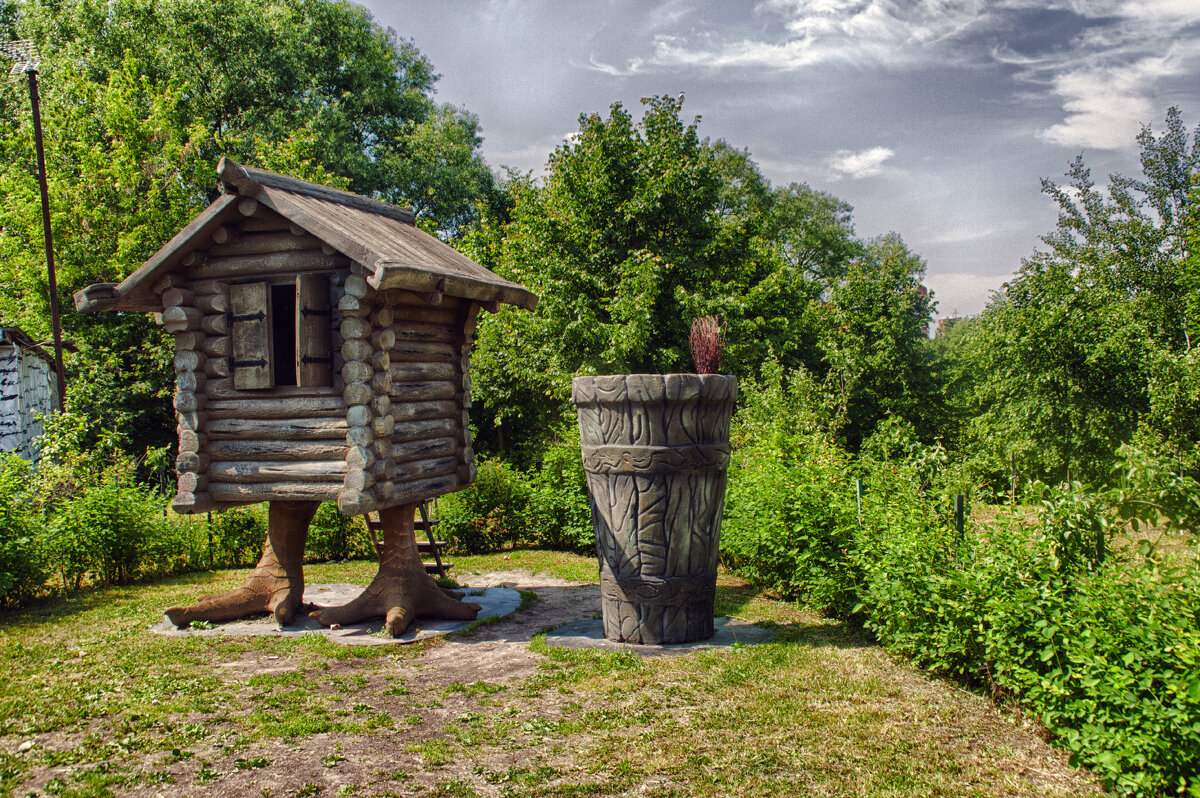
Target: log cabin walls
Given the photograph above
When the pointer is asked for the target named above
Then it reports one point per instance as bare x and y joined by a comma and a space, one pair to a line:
322, 347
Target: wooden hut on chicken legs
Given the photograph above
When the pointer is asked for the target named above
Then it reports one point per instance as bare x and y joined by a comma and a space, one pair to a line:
322, 347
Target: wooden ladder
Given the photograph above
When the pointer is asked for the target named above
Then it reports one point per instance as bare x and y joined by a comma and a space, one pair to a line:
426, 547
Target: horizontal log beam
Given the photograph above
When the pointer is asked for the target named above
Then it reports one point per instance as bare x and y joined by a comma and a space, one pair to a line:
331, 471
273, 491
291, 429
417, 372
429, 448
412, 411
422, 391
255, 243
418, 351
278, 408
269, 451
421, 430
275, 263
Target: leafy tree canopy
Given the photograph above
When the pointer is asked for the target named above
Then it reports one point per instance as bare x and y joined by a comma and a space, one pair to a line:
139, 101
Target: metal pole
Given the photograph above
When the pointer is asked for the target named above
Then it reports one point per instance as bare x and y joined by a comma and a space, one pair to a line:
41, 163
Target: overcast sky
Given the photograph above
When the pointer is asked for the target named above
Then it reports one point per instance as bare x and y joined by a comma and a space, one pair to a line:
935, 119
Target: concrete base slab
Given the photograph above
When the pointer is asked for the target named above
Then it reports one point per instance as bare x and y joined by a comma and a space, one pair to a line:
495, 601
590, 634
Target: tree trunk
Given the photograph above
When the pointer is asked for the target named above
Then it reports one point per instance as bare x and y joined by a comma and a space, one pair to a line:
277, 583
401, 590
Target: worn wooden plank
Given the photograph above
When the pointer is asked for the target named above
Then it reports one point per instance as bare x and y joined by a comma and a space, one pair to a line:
251, 308
274, 450
273, 491
419, 430
250, 471
422, 391
422, 489
416, 332
421, 372
412, 411
291, 429
314, 355
331, 406
223, 389
265, 223
422, 449
420, 351
274, 263
256, 243
423, 314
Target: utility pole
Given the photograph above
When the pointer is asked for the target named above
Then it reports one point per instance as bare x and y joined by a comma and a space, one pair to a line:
24, 54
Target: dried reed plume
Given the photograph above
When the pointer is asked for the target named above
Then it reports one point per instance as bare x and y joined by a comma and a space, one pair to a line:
708, 344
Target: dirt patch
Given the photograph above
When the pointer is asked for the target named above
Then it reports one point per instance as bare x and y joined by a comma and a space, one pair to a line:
499, 652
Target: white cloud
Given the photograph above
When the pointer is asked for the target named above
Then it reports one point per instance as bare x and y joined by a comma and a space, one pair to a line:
803, 33
1107, 78
857, 165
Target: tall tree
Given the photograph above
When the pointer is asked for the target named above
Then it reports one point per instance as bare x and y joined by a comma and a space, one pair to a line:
141, 98
1062, 357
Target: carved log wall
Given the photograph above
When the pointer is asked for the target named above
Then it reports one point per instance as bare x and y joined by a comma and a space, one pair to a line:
656, 449
391, 429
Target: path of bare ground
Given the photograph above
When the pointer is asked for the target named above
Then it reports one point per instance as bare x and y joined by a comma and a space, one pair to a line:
487, 714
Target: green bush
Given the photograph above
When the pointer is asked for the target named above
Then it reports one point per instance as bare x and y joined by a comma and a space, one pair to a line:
334, 536
23, 557
489, 514
789, 507
112, 530
237, 537
560, 515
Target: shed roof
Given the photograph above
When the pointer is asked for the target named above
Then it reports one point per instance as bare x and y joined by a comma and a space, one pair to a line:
382, 237
15, 336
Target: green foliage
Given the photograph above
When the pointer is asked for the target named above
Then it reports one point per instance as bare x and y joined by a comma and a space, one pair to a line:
333, 536
1084, 345
139, 101
237, 537
23, 556
1074, 611
560, 516
489, 514
789, 507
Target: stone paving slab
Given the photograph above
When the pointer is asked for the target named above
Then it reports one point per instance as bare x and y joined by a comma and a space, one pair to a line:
590, 634
496, 602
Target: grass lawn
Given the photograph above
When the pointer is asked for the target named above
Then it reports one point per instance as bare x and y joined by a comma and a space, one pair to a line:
93, 704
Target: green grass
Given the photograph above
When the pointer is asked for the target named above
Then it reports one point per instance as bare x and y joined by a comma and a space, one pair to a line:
110, 707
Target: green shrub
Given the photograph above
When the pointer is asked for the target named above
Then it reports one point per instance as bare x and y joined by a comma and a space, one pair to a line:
109, 529
489, 514
789, 507
23, 556
237, 537
560, 515
334, 536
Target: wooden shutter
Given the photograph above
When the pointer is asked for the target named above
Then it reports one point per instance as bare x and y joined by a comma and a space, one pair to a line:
314, 365
250, 309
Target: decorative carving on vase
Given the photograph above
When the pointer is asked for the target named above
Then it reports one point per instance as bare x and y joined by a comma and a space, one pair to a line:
655, 449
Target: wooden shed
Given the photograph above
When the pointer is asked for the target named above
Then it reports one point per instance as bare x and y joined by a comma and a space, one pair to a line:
322, 346
28, 392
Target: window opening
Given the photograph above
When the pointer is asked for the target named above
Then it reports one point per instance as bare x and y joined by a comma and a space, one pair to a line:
283, 332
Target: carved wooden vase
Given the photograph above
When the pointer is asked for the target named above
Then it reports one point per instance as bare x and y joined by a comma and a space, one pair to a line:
656, 449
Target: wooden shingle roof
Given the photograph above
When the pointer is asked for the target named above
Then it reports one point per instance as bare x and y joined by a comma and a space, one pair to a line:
381, 237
